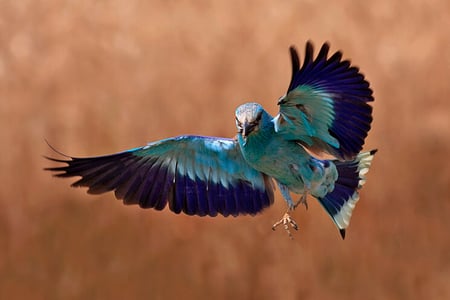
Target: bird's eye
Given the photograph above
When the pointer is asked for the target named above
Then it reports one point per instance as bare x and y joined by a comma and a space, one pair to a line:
254, 123
238, 125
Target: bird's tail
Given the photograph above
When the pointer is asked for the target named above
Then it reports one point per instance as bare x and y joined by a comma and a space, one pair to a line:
340, 202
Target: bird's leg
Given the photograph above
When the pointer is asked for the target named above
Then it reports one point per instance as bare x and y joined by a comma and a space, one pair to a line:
286, 220
284, 190
306, 186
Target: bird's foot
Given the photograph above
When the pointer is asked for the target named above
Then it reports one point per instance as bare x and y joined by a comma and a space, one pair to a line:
286, 221
302, 200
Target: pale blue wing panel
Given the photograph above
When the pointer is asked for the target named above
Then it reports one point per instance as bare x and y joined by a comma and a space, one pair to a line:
194, 174
326, 107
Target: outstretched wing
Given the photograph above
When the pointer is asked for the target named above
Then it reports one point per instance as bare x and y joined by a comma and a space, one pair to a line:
325, 108
194, 174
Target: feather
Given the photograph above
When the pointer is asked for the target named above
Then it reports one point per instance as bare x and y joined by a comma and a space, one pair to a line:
329, 90
196, 175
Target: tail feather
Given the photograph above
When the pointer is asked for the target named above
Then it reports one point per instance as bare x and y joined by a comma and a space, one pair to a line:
340, 202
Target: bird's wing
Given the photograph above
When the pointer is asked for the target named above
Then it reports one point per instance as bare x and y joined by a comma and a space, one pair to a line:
194, 174
325, 108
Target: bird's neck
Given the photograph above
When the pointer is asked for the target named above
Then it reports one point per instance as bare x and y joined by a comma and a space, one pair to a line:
253, 147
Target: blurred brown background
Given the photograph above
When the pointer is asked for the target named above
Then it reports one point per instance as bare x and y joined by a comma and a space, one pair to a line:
97, 77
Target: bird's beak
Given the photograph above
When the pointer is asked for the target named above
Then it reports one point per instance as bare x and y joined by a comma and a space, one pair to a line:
247, 128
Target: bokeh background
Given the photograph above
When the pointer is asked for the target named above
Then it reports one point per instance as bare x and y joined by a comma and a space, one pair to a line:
96, 77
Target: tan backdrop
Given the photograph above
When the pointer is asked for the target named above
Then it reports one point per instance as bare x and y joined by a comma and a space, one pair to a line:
97, 77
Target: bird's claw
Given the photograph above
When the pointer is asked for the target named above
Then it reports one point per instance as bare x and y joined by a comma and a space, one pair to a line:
303, 201
286, 221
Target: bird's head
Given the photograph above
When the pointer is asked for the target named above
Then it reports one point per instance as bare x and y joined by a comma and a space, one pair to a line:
248, 118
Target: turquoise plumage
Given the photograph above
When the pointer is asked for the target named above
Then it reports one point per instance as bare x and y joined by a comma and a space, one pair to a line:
325, 111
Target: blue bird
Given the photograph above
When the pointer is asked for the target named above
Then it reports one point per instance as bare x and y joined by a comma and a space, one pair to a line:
312, 146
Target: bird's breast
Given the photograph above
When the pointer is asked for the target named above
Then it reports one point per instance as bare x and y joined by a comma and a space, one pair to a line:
276, 158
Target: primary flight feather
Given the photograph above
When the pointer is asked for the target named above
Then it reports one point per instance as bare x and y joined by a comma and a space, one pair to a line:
325, 111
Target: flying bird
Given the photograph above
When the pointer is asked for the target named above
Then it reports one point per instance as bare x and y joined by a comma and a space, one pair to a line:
312, 146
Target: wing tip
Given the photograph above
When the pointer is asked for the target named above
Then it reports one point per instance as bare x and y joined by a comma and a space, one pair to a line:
55, 150
295, 62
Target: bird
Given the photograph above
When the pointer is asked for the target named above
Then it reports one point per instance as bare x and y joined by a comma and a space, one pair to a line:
313, 146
